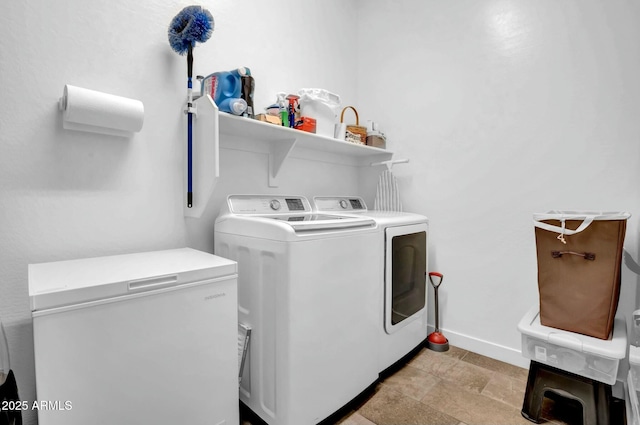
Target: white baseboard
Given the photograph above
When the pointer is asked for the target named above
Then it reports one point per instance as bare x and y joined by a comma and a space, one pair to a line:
485, 348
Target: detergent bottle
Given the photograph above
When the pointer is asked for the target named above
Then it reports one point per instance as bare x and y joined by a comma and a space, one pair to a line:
224, 84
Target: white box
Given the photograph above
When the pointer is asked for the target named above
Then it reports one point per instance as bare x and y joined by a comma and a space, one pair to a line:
633, 384
580, 354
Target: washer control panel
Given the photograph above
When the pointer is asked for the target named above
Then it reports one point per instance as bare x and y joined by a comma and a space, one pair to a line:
268, 204
339, 203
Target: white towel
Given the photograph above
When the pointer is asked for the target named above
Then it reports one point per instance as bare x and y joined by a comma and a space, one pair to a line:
387, 195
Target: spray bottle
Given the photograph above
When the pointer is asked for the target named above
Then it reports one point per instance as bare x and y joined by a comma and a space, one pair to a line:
282, 105
293, 107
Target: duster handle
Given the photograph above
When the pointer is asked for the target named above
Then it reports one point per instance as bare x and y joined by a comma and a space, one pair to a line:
190, 62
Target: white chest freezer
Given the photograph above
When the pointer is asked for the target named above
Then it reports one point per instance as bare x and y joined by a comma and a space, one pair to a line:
147, 338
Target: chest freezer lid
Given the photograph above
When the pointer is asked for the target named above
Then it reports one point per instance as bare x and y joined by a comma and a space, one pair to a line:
64, 283
613, 348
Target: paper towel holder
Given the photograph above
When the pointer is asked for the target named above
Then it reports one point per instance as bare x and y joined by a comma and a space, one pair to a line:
98, 112
62, 103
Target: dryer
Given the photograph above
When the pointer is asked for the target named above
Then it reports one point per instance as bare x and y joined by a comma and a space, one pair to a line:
305, 287
401, 275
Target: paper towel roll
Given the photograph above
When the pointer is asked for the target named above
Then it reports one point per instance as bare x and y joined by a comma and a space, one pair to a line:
97, 112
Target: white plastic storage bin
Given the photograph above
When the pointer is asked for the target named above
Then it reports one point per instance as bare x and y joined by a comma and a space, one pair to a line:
580, 354
633, 384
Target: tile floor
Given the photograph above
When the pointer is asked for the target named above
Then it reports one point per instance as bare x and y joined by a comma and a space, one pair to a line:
457, 387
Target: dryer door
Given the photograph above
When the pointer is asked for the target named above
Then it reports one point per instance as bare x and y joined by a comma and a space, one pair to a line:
405, 279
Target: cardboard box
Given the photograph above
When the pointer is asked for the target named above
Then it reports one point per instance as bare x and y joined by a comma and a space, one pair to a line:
306, 124
269, 118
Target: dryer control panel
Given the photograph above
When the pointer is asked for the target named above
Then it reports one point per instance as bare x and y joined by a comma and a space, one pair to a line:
339, 203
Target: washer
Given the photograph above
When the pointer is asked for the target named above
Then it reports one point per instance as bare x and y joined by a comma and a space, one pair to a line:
304, 287
401, 275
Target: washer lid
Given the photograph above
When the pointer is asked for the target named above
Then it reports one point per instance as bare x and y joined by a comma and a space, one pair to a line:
311, 222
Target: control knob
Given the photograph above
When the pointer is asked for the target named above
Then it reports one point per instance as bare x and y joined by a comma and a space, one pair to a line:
275, 205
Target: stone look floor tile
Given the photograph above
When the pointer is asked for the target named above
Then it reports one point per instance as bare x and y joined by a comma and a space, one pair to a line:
456, 352
506, 389
411, 381
451, 368
456, 387
470, 407
467, 376
355, 418
496, 366
388, 407
432, 362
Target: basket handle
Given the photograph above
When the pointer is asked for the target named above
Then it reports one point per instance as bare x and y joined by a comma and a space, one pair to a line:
586, 255
562, 230
354, 111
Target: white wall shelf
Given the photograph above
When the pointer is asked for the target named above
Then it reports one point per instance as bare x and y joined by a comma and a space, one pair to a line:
281, 142
213, 130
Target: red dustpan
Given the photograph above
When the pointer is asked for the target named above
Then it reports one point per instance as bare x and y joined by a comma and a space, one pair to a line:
436, 341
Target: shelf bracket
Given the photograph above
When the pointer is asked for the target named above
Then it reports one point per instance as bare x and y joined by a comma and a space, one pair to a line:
280, 151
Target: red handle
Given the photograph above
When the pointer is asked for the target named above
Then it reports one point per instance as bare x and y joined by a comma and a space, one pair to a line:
438, 275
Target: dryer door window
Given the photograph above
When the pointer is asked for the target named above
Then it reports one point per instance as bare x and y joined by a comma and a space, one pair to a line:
406, 266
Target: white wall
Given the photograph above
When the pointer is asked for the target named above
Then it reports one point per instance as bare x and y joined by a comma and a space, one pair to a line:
505, 109
67, 195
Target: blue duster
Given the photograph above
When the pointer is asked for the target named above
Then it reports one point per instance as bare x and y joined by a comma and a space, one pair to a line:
192, 25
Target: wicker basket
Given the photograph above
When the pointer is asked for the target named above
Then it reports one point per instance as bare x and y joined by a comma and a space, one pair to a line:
357, 129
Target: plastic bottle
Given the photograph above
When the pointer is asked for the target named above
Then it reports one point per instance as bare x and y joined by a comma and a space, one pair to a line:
284, 113
322, 105
294, 109
247, 87
224, 84
233, 105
